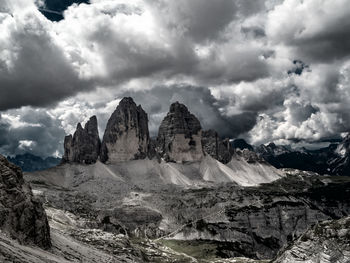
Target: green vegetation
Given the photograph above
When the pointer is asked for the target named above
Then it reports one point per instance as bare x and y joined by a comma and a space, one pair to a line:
204, 251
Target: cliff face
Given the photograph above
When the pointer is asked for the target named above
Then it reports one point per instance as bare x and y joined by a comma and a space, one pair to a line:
21, 215
256, 222
326, 242
179, 136
126, 136
84, 145
220, 150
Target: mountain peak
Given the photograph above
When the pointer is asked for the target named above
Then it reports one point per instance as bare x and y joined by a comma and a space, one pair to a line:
84, 145
179, 135
126, 136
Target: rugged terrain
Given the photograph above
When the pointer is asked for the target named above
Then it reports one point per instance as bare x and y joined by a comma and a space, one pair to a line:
229, 220
333, 159
188, 196
327, 241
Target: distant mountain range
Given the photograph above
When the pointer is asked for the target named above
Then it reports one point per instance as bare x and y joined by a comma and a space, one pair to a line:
333, 160
30, 163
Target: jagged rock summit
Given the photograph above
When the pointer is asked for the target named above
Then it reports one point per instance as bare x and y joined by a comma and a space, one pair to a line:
126, 136
179, 136
220, 150
84, 146
340, 164
22, 217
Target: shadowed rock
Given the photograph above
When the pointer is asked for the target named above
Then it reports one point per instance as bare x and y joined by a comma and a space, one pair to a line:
84, 145
179, 136
21, 215
217, 148
126, 136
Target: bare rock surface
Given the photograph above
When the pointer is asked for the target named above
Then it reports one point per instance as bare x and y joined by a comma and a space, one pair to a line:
126, 136
139, 199
84, 145
21, 215
217, 148
328, 241
179, 136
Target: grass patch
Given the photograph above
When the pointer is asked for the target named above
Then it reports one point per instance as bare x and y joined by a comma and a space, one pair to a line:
201, 250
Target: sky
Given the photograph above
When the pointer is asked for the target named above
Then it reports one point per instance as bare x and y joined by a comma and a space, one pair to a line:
266, 71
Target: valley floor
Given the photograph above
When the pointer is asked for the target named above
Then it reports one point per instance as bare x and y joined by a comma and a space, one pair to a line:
102, 215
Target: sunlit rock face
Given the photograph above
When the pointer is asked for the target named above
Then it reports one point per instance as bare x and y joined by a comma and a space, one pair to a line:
126, 136
180, 135
22, 217
84, 145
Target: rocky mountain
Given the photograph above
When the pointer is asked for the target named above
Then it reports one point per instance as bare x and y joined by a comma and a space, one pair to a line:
334, 159
241, 144
84, 146
217, 148
188, 196
22, 216
30, 163
179, 136
283, 157
126, 136
327, 242
340, 163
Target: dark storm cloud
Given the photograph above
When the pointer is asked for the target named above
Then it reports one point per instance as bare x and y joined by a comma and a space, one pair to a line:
36, 71
37, 132
253, 31
318, 31
4, 127
299, 67
200, 102
236, 57
197, 19
300, 113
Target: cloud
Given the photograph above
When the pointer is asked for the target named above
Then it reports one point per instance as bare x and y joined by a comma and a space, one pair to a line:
246, 68
33, 69
196, 19
30, 130
316, 30
200, 101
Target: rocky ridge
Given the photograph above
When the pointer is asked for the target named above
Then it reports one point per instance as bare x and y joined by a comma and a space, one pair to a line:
22, 216
217, 148
327, 242
84, 146
340, 163
180, 138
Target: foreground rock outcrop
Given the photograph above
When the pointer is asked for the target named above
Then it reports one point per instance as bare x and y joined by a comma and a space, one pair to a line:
179, 136
327, 241
126, 136
84, 145
22, 217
